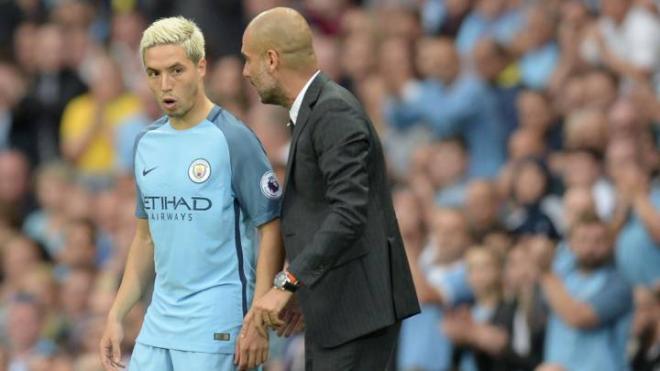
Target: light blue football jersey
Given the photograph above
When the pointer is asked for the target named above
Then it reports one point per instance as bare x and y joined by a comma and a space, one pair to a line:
204, 190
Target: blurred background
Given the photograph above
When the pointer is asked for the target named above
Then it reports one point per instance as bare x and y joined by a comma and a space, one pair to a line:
504, 123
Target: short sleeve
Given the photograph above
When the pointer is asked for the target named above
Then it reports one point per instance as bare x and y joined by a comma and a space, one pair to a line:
139, 200
139, 204
254, 182
613, 300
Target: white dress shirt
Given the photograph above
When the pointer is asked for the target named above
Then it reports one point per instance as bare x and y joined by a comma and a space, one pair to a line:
295, 107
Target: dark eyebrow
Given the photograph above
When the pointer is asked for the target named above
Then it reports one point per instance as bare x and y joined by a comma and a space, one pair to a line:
177, 64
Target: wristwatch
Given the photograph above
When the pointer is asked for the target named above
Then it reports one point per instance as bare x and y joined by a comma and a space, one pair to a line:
285, 281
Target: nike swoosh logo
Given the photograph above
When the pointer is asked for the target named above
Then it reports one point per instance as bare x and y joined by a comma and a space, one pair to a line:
147, 171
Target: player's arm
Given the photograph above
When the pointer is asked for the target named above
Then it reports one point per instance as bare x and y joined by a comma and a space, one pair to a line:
269, 263
252, 348
139, 272
271, 257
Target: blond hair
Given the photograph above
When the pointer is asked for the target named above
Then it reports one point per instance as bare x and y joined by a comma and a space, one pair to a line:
174, 31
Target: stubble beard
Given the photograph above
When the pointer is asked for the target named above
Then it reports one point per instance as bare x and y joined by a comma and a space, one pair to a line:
274, 95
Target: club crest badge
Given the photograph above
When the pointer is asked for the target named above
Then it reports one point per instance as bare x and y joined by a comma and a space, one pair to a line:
270, 187
199, 171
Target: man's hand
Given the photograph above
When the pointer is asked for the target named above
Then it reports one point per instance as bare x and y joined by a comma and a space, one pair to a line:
251, 346
293, 319
109, 348
267, 309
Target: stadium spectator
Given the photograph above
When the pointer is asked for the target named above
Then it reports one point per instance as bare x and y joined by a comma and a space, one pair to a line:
638, 242
590, 302
37, 119
480, 332
19, 255
15, 183
533, 206
483, 208
441, 274
539, 52
527, 322
624, 39
45, 225
444, 102
90, 120
488, 18
24, 322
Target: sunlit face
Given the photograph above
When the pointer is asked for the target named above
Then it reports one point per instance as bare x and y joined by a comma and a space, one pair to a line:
173, 78
256, 72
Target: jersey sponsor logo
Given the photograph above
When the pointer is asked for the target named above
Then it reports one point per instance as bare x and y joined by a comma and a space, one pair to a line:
147, 171
176, 203
174, 207
270, 187
199, 171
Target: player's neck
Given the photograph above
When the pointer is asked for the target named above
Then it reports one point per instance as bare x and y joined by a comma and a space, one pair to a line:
197, 113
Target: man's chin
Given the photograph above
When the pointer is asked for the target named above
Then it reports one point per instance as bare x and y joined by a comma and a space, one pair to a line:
173, 113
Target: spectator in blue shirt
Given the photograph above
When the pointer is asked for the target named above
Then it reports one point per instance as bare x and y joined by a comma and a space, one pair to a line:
441, 273
489, 17
493, 62
638, 243
446, 102
540, 53
590, 304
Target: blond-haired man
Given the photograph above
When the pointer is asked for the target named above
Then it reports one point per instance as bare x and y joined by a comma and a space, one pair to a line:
204, 186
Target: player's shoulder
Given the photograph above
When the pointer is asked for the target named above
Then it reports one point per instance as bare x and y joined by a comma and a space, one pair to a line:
233, 129
151, 127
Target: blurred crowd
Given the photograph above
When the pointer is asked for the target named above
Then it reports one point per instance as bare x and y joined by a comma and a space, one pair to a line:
522, 141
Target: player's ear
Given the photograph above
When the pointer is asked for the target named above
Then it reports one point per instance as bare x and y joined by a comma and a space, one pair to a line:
201, 67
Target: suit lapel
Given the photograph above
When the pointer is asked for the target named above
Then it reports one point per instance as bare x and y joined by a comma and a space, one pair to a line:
310, 98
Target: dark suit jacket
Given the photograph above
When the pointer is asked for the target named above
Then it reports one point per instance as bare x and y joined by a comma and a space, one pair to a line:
340, 232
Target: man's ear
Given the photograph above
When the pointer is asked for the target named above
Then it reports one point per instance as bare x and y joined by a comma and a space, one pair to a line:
201, 67
272, 59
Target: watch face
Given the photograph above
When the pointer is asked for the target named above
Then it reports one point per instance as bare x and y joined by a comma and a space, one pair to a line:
279, 280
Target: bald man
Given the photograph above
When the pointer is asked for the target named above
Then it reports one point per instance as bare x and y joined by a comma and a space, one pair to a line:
347, 266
